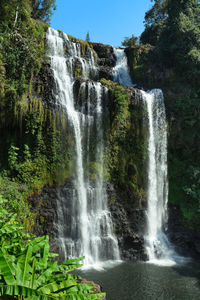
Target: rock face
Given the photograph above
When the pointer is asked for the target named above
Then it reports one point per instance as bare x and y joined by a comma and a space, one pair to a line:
105, 60
128, 222
125, 185
185, 240
129, 226
125, 156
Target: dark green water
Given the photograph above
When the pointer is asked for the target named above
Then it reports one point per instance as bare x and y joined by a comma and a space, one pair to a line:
142, 281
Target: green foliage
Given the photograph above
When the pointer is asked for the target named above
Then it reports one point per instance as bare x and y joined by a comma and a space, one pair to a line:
184, 160
3, 211
43, 9
173, 26
12, 157
129, 42
180, 40
140, 60
28, 271
13, 197
125, 150
193, 191
155, 20
22, 49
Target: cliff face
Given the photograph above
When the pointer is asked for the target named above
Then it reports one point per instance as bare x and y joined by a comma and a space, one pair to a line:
44, 169
124, 153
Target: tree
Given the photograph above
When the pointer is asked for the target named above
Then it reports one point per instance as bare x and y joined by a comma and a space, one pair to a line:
42, 9
155, 19
129, 42
180, 39
87, 39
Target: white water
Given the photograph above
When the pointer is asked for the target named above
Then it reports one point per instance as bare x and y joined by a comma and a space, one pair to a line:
84, 222
121, 71
158, 247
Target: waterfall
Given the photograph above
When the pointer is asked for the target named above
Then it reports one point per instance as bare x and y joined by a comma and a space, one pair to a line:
84, 222
120, 71
158, 247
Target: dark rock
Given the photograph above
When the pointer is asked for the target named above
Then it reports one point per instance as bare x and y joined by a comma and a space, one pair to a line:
105, 60
131, 170
185, 240
105, 54
129, 224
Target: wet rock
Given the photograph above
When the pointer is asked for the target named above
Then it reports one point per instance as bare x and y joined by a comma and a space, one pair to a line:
129, 227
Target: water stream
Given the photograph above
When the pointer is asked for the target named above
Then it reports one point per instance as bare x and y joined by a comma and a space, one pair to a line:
159, 249
84, 223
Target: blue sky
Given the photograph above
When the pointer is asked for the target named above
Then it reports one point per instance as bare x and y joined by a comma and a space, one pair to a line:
107, 21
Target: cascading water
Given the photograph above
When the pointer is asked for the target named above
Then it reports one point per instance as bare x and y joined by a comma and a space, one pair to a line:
158, 247
84, 222
120, 71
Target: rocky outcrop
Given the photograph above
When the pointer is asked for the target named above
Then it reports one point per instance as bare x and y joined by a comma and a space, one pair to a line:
105, 60
129, 225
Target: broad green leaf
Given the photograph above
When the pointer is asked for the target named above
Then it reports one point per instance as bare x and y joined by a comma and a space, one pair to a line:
69, 268
17, 290
6, 268
45, 253
33, 273
23, 276
73, 260
54, 287
46, 275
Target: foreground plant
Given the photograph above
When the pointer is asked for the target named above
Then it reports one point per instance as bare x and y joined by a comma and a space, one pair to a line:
30, 272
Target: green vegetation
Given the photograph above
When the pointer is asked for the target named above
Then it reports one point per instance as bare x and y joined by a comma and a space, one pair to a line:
177, 35
129, 42
22, 50
125, 151
42, 9
28, 269
155, 20
34, 139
